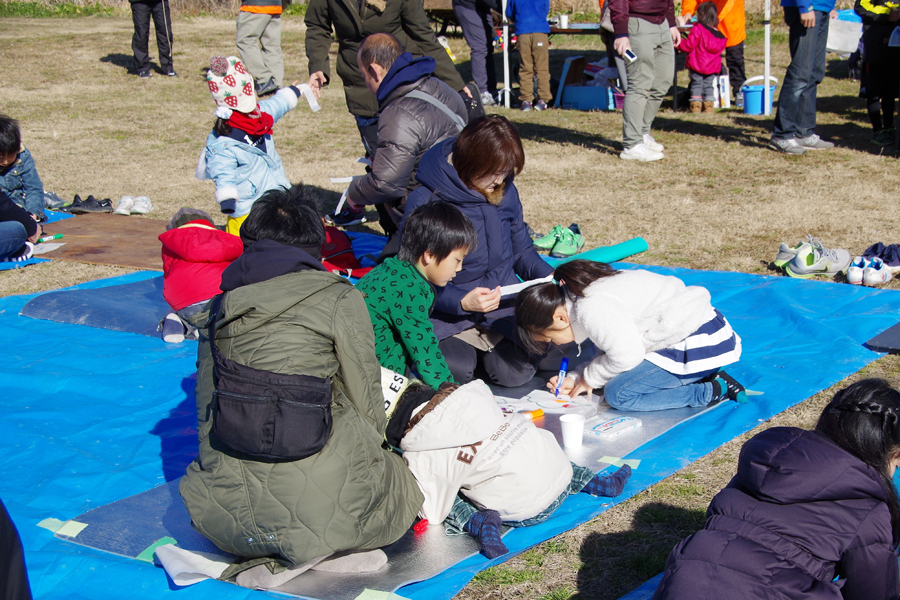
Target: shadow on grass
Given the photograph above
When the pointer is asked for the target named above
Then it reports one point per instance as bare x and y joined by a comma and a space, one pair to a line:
615, 564
743, 130
126, 61
560, 135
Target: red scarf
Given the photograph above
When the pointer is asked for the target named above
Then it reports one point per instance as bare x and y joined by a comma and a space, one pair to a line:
255, 123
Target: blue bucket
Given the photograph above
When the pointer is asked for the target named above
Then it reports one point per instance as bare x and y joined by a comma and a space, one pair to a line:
753, 99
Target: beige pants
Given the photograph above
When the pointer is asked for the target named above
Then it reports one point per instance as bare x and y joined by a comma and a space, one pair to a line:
534, 59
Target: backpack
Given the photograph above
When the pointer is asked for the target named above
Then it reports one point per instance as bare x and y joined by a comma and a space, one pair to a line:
337, 254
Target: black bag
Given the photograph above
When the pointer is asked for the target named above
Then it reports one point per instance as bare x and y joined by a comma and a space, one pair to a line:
268, 416
473, 105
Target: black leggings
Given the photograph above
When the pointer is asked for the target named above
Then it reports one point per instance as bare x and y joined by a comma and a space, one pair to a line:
882, 83
506, 365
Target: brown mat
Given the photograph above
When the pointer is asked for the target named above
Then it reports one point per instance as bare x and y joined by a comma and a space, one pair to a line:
109, 239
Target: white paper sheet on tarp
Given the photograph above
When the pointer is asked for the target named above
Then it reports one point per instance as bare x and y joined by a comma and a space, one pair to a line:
188, 568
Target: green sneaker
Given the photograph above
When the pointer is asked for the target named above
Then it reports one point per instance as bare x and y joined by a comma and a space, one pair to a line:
548, 241
570, 242
885, 137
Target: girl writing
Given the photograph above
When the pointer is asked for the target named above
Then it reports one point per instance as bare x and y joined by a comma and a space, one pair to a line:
662, 344
704, 46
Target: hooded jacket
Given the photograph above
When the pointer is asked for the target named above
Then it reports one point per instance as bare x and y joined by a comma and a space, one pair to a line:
407, 127
704, 47
282, 313
404, 19
22, 184
799, 512
504, 254
499, 461
194, 256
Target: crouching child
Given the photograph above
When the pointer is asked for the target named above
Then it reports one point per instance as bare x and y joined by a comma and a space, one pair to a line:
478, 467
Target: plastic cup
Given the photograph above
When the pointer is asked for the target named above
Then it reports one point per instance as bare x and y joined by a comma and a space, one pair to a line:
572, 430
563, 21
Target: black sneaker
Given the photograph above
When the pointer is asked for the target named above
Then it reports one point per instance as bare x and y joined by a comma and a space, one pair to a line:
266, 88
348, 216
170, 72
91, 205
146, 74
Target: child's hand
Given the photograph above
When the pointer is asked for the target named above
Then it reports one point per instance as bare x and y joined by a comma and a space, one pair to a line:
37, 235
566, 387
481, 300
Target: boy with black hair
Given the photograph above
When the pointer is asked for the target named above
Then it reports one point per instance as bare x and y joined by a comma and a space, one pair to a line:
399, 293
18, 175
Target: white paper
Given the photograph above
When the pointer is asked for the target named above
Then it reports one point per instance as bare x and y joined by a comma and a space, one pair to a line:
310, 97
45, 247
550, 404
508, 290
188, 568
340, 203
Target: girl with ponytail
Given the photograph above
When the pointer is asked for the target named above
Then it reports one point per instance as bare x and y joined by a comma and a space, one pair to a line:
662, 344
809, 514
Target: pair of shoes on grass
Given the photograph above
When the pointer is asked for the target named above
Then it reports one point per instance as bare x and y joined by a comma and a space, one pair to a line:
91, 205
129, 205
562, 242
798, 146
868, 271
811, 258
648, 150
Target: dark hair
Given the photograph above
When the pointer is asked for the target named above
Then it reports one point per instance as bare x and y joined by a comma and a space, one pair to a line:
707, 14
488, 145
379, 48
10, 136
222, 127
438, 228
864, 420
536, 304
289, 217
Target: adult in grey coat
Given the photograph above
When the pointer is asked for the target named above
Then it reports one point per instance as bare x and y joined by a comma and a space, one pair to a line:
408, 123
284, 313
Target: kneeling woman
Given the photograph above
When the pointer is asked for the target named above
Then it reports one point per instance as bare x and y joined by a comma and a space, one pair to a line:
810, 514
662, 344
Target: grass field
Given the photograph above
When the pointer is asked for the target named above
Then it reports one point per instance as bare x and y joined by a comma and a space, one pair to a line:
720, 200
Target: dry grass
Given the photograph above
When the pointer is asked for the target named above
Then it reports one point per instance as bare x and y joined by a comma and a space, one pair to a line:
720, 200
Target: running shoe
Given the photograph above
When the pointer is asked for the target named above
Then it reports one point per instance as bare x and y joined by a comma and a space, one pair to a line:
814, 260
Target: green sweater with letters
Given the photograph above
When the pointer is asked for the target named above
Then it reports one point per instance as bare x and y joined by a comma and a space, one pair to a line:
399, 299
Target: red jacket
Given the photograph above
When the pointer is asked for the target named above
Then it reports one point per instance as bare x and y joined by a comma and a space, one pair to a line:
704, 47
194, 256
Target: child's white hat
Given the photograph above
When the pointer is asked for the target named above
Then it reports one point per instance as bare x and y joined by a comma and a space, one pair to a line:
230, 84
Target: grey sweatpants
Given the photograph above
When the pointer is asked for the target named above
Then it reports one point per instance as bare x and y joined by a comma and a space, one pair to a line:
649, 77
258, 39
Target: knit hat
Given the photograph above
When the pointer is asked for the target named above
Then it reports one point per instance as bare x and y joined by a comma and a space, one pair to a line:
230, 84
186, 215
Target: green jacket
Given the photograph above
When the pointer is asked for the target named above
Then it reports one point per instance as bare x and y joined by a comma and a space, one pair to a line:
399, 299
353, 493
404, 19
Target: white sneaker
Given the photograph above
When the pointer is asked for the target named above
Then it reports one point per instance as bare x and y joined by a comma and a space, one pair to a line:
642, 153
142, 205
653, 144
817, 260
877, 273
124, 206
855, 270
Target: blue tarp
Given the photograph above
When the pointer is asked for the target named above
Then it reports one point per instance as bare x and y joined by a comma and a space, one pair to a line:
93, 416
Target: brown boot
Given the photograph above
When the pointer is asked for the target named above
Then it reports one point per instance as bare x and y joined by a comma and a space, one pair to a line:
696, 106
709, 106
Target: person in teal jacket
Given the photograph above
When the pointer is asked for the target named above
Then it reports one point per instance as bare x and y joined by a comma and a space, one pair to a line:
399, 292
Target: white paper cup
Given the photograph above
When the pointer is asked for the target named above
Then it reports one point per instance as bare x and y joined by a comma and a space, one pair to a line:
572, 430
564, 24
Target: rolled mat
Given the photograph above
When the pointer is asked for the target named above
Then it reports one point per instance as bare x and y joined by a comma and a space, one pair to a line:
607, 254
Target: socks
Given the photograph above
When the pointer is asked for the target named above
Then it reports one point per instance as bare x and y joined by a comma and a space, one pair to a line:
173, 329
608, 486
485, 525
726, 387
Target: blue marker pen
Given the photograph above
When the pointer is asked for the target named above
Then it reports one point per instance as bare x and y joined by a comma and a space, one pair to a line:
563, 367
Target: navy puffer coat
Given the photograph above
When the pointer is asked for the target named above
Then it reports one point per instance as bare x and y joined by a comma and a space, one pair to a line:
800, 512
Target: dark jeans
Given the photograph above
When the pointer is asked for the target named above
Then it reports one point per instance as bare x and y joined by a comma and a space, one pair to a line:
12, 237
478, 29
505, 365
162, 22
796, 114
734, 60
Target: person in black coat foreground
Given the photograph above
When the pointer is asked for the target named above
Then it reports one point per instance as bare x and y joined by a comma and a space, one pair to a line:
810, 514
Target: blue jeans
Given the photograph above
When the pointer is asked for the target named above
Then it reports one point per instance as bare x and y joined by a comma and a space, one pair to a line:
647, 387
796, 114
12, 237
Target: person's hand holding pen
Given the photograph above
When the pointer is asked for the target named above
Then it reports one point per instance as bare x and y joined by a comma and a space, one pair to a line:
569, 387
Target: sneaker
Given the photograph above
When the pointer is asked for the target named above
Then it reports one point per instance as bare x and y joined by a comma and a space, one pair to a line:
726, 387
540, 105
124, 206
146, 74
817, 260
266, 87
142, 205
787, 145
548, 241
52, 201
91, 205
885, 137
570, 242
739, 100
487, 99
877, 273
347, 217
856, 269
23, 254
653, 144
642, 153
172, 329
526, 106
814, 142
787, 253
170, 72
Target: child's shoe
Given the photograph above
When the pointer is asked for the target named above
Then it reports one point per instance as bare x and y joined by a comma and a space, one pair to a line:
540, 105
124, 206
877, 273
726, 387
26, 252
815, 259
787, 253
709, 106
548, 241
856, 269
348, 216
142, 205
570, 242
696, 106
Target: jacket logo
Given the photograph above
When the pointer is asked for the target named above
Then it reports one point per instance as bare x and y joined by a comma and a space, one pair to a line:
465, 457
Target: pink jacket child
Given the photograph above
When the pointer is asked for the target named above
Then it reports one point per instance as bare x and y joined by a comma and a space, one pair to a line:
704, 46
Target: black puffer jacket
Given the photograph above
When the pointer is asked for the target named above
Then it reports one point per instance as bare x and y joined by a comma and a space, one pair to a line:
407, 127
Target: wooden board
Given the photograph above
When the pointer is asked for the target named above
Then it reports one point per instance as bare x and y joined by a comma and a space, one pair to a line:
109, 239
